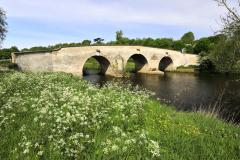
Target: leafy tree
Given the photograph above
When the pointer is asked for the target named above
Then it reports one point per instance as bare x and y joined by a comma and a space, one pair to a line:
98, 40
205, 63
215, 39
24, 50
188, 38
14, 49
119, 35
5, 53
227, 53
124, 40
178, 45
86, 42
148, 42
189, 49
138, 41
202, 45
131, 41
3, 25
111, 43
163, 43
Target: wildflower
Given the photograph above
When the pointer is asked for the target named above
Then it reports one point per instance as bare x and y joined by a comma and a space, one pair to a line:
103, 143
105, 150
124, 149
26, 151
40, 152
127, 141
142, 135
114, 147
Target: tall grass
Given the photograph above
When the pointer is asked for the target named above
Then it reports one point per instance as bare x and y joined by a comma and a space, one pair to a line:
57, 116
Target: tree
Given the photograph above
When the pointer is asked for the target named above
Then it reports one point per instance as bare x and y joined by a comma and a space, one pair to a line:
163, 43
178, 45
148, 42
131, 41
14, 49
98, 40
3, 25
215, 39
86, 42
119, 35
229, 48
189, 48
202, 45
188, 38
138, 41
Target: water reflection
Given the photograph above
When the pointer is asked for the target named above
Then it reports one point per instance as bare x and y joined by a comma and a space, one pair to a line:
202, 88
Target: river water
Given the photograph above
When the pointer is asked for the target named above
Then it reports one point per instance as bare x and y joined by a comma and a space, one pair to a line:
186, 91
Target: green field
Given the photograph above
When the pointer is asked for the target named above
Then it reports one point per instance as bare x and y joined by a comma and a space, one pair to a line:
58, 116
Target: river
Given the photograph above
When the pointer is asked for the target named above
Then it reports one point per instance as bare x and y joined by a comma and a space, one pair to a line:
202, 90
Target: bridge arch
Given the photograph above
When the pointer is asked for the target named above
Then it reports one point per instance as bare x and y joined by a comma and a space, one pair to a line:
141, 62
166, 64
105, 64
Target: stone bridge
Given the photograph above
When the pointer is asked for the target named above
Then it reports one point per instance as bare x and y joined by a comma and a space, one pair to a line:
112, 59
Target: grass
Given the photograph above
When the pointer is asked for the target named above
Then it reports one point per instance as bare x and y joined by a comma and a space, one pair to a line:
58, 116
188, 67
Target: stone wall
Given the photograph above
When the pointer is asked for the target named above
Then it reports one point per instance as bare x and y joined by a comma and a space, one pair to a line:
33, 61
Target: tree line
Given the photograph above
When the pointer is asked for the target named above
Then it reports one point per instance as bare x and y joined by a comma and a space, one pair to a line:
219, 53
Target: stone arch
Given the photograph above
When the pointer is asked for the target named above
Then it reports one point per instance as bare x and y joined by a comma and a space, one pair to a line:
166, 64
104, 62
141, 62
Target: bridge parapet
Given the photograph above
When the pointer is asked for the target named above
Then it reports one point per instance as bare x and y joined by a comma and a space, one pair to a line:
112, 59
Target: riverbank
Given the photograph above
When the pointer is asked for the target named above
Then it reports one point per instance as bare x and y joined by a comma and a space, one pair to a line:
57, 116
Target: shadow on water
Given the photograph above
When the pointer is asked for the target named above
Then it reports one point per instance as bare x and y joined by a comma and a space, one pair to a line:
187, 91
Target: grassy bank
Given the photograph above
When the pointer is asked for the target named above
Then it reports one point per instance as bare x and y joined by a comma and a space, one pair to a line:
188, 67
57, 116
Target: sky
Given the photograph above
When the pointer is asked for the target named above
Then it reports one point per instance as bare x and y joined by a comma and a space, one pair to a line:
48, 22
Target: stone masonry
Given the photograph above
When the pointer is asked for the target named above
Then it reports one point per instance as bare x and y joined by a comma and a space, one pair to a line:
112, 59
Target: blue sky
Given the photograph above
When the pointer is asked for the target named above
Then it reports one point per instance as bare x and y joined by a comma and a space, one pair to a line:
48, 22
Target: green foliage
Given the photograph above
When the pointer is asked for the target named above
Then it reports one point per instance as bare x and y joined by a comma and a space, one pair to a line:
138, 41
3, 25
111, 43
178, 45
131, 41
9, 64
163, 43
98, 40
202, 45
225, 55
116, 121
86, 42
119, 35
215, 39
206, 65
188, 38
5, 53
148, 42
189, 49
188, 67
